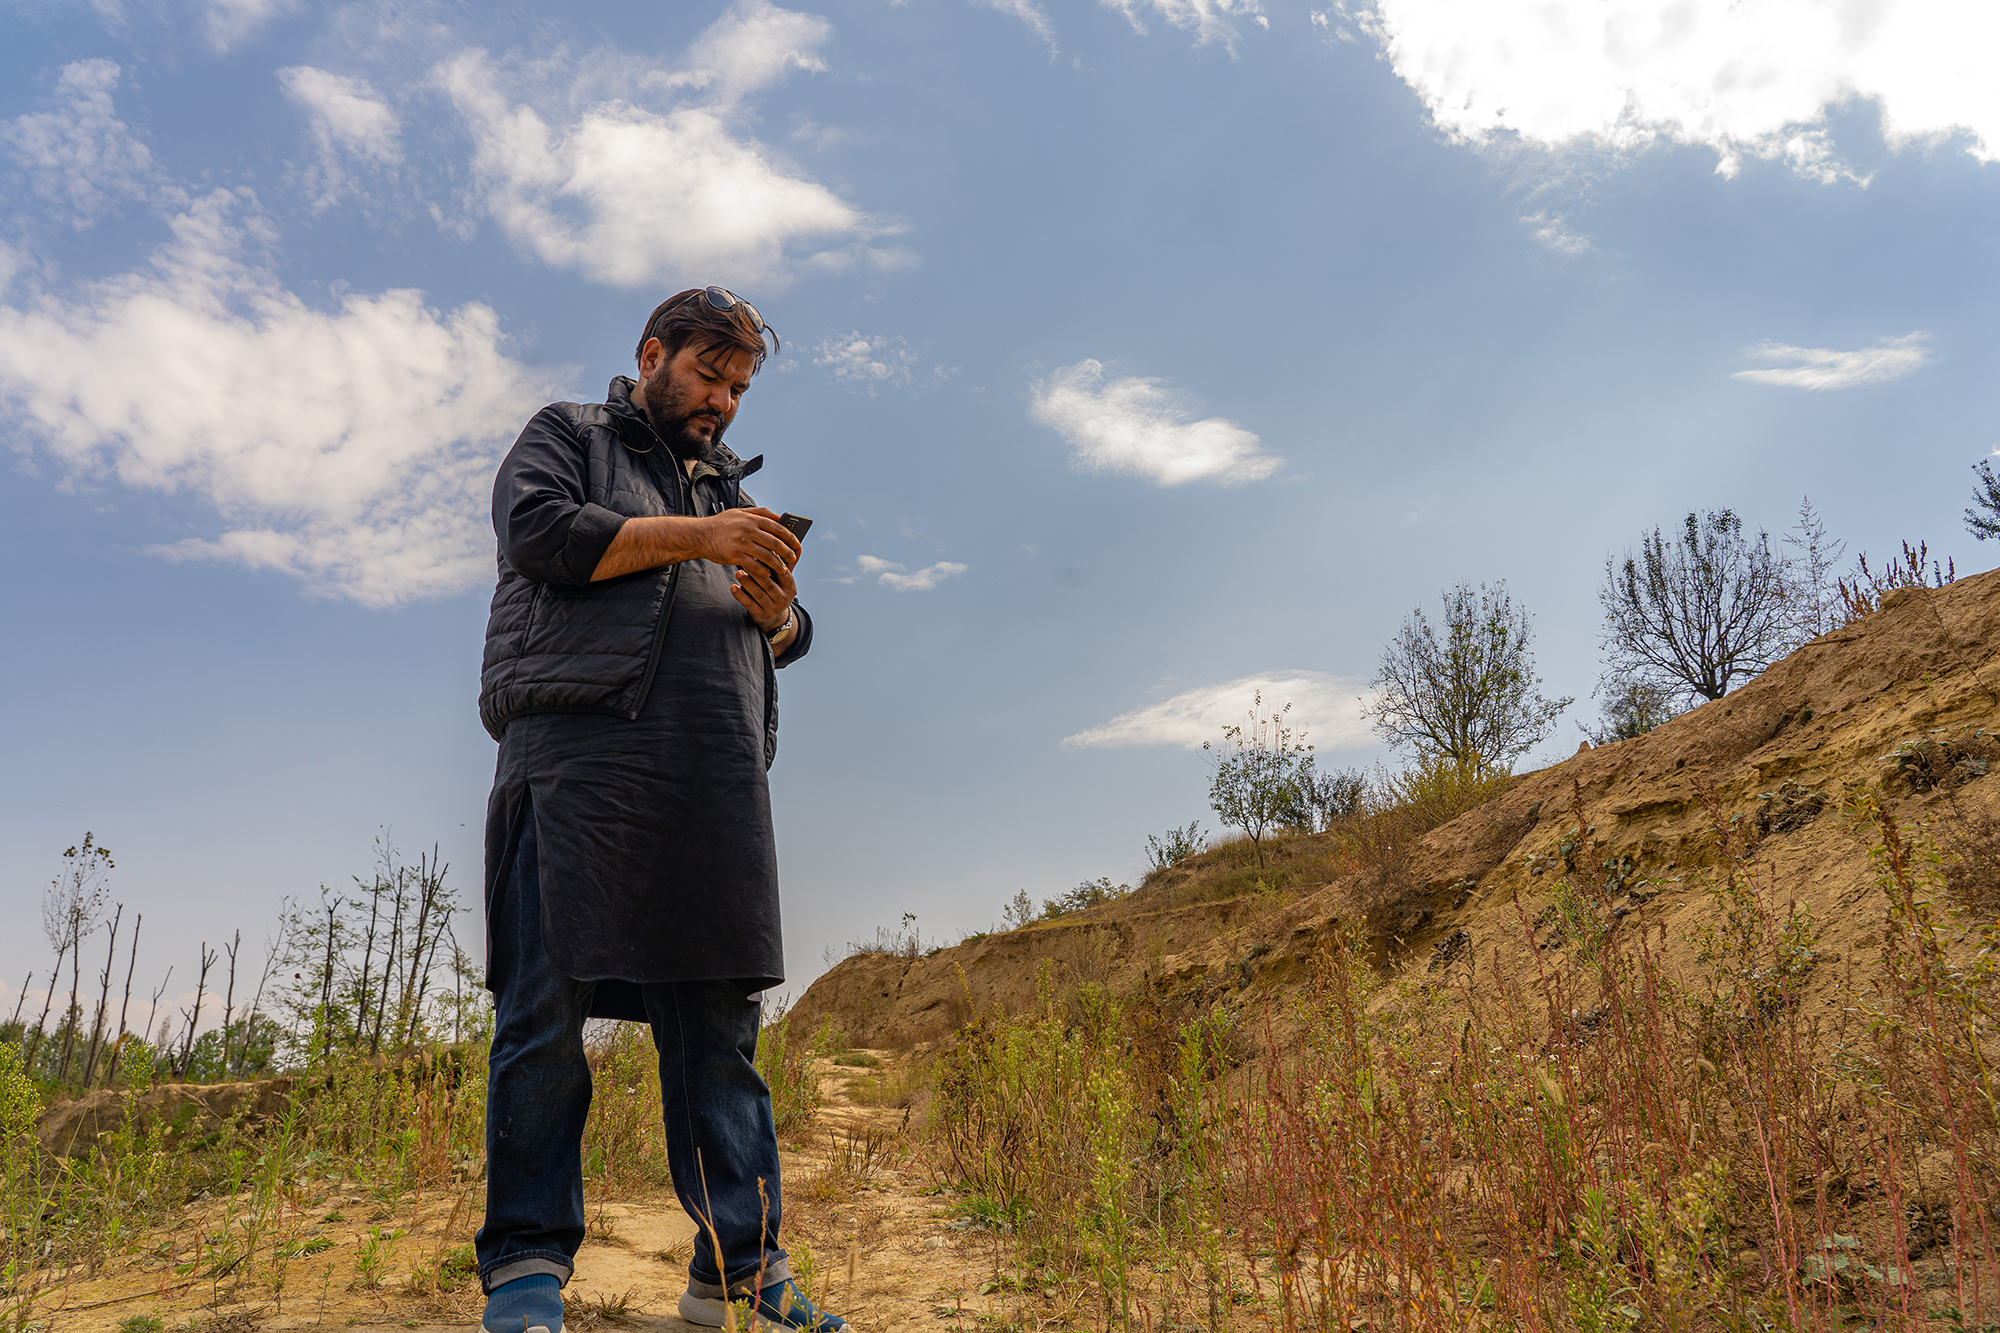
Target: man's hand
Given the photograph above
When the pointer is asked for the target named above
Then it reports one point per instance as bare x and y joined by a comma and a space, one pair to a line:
750, 537
766, 594
745, 537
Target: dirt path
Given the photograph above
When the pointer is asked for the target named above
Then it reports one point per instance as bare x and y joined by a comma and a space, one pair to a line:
853, 1195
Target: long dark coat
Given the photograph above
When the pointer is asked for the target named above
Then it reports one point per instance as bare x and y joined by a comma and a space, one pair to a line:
652, 810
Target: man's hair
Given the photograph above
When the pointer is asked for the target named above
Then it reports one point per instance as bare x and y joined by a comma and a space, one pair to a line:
689, 318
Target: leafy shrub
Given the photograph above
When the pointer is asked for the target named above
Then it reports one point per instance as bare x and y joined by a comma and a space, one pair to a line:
1631, 709
787, 1060
1402, 807
1179, 844
1943, 762
1325, 799
1019, 911
19, 1103
1087, 894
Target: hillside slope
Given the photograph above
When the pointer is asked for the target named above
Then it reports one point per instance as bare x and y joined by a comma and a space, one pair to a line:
1776, 756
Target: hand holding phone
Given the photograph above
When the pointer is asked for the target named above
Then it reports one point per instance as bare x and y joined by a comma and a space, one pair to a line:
795, 524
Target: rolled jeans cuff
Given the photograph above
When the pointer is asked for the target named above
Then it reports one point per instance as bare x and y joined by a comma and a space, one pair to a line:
526, 1266
778, 1270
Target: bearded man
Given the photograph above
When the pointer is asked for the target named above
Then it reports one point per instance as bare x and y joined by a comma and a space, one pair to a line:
643, 607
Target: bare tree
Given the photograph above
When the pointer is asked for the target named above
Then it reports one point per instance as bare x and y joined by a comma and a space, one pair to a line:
229, 999
208, 957
125, 1006
159, 1042
103, 1013
362, 989
1466, 691
434, 906
21, 999
1697, 613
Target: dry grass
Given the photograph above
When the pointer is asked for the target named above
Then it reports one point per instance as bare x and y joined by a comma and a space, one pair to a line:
369, 1185
853, 1157
1598, 1145
894, 1087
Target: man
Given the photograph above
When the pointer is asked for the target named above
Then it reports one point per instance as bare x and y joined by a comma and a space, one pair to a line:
644, 604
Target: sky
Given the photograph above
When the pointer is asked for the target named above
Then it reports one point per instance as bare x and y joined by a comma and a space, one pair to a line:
1138, 356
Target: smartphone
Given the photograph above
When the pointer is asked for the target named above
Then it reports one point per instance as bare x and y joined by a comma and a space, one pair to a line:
795, 525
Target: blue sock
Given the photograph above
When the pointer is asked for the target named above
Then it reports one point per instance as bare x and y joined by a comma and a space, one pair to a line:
527, 1303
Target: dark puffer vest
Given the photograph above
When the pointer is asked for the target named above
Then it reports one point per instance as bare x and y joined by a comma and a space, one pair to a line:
555, 641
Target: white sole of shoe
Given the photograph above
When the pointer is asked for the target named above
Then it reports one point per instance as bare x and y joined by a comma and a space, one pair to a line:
712, 1314
701, 1310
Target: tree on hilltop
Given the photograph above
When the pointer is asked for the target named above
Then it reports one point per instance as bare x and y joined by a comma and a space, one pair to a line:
1256, 782
1699, 612
1983, 518
1465, 689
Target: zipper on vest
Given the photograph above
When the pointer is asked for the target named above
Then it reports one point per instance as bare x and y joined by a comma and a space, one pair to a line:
667, 611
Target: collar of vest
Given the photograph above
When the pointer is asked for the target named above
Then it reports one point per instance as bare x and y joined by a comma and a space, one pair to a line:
618, 404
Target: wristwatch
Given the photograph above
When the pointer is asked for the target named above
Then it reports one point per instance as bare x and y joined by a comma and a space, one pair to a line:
791, 618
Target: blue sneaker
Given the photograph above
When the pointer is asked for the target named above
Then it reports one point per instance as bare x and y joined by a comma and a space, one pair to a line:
531, 1304
780, 1305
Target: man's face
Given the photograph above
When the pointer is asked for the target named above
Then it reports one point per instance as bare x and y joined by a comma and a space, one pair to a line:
692, 396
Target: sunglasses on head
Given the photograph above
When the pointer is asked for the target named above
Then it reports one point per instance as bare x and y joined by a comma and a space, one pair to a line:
721, 298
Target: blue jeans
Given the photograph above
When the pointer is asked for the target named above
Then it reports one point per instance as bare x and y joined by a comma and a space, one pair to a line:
721, 1142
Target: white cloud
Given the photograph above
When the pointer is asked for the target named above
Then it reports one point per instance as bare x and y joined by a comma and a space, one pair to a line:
815, 135
1324, 20
352, 449
1209, 20
1029, 13
79, 155
892, 575
875, 361
1825, 368
228, 22
639, 197
1133, 425
1327, 708
348, 119
1553, 232
1738, 77
751, 47
870, 359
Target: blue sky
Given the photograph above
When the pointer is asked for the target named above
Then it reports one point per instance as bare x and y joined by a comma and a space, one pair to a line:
1137, 355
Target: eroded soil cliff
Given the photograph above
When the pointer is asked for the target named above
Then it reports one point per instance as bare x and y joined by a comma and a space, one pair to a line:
1771, 762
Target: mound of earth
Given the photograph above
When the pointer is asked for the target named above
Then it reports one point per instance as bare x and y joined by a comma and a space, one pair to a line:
73, 1127
1896, 701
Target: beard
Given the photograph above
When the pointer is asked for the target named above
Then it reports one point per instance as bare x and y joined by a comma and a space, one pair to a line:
674, 412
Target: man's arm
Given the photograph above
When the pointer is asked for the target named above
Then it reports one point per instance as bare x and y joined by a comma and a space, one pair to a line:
748, 537
547, 530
